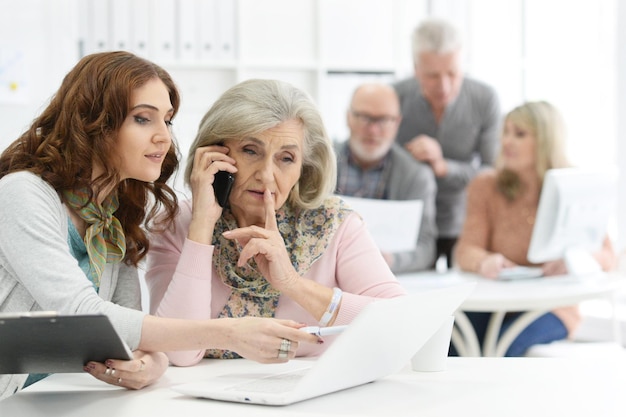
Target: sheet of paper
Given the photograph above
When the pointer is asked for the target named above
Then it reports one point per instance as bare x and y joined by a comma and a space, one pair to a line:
394, 225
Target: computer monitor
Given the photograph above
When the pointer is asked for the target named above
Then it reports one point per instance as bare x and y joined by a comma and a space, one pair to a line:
572, 219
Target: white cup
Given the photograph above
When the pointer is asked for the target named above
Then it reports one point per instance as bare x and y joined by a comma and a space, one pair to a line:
432, 356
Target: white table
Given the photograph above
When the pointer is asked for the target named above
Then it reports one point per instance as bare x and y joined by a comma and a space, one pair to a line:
534, 297
469, 387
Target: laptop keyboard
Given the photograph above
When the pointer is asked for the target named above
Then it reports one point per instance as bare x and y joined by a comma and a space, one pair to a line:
273, 383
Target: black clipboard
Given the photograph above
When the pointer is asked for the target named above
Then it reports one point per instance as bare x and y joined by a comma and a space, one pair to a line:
44, 342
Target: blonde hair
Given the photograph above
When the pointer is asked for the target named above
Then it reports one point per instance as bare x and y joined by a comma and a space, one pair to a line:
546, 124
254, 106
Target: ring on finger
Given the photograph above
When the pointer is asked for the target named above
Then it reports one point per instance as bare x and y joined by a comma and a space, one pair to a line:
283, 354
107, 371
285, 344
119, 380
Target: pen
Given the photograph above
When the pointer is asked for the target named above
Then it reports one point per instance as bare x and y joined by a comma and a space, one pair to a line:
324, 331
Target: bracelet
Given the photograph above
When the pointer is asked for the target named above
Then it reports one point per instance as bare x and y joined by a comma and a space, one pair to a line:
332, 307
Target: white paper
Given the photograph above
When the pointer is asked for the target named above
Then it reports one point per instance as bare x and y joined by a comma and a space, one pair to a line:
394, 224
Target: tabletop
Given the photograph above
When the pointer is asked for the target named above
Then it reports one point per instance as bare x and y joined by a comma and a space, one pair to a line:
520, 295
468, 387
534, 297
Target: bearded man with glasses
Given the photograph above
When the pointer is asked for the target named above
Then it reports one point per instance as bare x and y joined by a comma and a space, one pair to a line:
371, 165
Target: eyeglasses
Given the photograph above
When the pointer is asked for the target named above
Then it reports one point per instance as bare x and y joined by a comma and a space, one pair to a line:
364, 119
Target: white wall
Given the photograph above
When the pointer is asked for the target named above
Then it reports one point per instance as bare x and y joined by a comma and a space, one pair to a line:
620, 106
37, 47
561, 50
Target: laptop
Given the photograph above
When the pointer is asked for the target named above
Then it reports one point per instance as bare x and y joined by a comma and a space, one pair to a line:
44, 342
380, 341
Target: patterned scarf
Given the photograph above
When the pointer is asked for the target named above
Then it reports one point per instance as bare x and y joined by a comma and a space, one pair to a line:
306, 234
104, 237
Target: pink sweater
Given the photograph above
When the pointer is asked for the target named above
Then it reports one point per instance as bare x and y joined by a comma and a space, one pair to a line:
496, 225
184, 284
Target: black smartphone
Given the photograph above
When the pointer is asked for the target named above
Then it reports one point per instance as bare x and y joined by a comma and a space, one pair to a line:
222, 185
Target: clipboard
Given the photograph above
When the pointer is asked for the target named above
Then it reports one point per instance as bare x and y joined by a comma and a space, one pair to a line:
45, 342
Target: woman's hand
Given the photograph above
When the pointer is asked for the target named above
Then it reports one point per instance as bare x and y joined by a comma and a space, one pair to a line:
267, 247
491, 266
261, 339
552, 268
207, 162
137, 373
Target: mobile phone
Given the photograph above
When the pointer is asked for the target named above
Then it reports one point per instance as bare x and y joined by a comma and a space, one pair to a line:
222, 184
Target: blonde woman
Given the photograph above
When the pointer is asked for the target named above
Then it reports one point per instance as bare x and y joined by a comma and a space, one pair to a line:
502, 204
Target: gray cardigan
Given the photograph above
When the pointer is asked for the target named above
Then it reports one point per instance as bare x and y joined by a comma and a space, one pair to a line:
468, 134
38, 272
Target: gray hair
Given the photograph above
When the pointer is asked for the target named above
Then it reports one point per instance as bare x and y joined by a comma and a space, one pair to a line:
435, 35
254, 106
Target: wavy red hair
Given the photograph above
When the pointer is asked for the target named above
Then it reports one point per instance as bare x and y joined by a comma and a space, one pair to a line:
79, 128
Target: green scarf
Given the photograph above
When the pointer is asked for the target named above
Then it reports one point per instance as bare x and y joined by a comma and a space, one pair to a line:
104, 237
